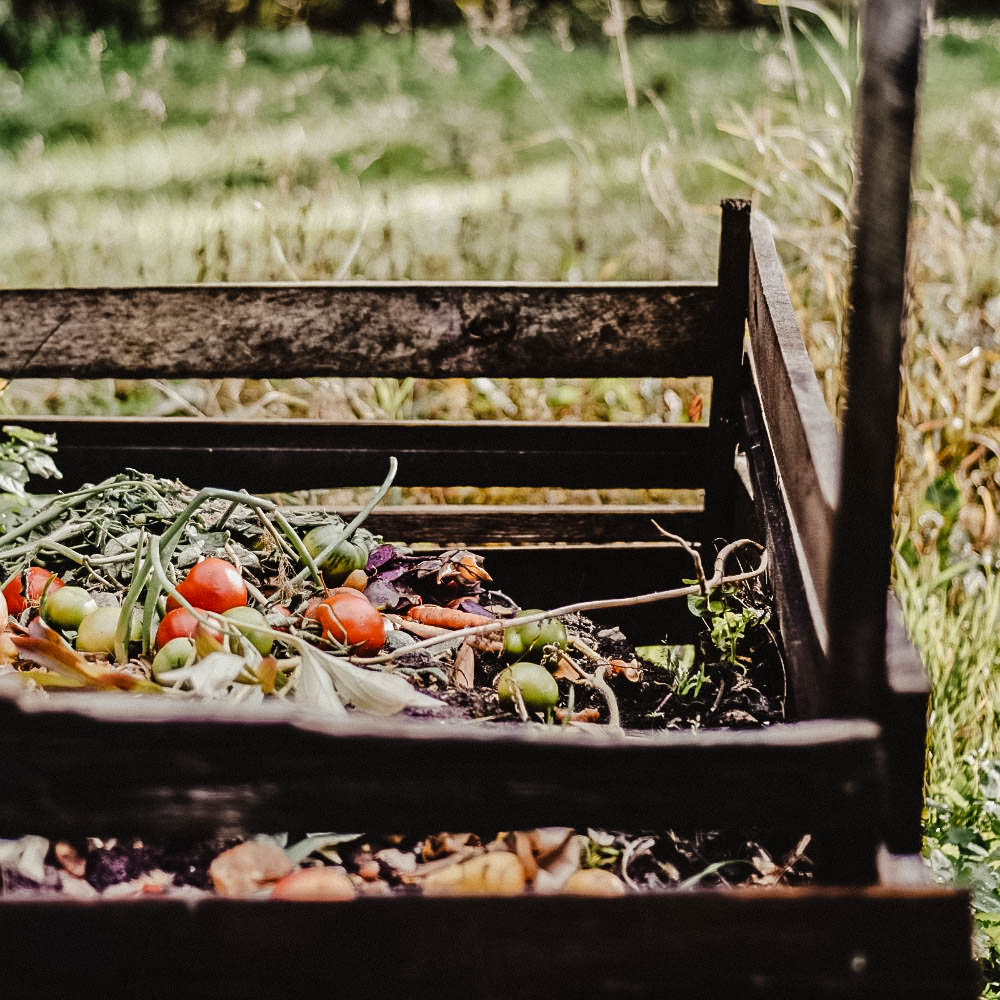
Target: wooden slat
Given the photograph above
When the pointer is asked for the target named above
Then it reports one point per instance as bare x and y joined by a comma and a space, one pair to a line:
905, 734
863, 532
549, 576
798, 423
885, 942
461, 524
806, 666
106, 764
431, 330
279, 455
734, 250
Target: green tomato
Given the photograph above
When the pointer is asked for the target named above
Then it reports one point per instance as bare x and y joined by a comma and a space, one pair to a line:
67, 607
534, 636
97, 631
249, 621
343, 560
177, 653
539, 690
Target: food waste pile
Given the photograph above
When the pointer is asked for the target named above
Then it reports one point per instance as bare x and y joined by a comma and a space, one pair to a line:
343, 867
145, 586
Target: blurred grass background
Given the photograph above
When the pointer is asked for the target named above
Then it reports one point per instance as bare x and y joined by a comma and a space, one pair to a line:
558, 144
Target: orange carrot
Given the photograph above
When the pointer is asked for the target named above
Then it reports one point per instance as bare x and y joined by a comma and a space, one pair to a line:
435, 614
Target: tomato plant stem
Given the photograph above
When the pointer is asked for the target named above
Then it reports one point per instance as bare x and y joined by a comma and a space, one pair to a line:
356, 523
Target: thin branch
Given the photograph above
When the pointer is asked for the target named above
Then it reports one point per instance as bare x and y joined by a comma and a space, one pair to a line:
718, 579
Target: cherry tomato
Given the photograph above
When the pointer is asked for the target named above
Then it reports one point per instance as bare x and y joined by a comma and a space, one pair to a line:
179, 622
31, 583
212, 585
343, 560
97, 630
250, 622
178, 652
534, 636
350, 619
538, 687
66, 607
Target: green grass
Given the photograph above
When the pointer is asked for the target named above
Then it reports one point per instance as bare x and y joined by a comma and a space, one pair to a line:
434, 157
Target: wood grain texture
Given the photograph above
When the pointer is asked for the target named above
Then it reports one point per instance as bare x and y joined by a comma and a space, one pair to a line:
448, 525
392, 329
116, 766
886, 942
730, 328
798, 423
280, 455
905, 717
863, 544
806, 666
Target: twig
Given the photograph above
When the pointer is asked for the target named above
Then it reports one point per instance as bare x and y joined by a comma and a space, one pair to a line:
699, 566
596, 680
717, 580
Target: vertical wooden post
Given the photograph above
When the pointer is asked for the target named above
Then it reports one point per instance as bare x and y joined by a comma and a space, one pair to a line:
859, 575
730, 326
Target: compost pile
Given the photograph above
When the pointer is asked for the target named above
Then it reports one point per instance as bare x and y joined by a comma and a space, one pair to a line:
342, 867
141, 584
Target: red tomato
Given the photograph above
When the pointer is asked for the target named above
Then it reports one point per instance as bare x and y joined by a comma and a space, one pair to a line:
213, 585
31, 582
350, 619
179, 622
314, 602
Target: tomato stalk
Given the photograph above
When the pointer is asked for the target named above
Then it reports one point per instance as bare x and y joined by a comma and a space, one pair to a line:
355, 523
70, 500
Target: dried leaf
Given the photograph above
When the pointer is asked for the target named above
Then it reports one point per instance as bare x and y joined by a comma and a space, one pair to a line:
314, 686
210, 676
375, 691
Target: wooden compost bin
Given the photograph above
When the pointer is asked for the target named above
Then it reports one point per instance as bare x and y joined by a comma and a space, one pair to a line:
848, 769
109, 764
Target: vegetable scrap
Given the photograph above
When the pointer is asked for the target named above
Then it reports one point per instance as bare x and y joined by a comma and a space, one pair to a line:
144, 585
336, 867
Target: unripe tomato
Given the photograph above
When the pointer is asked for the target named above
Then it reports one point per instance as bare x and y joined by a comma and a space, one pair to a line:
212, 585
67, 607
96, 633
539, 690
351, 620
250, 622
26, 588
533, 637
180, 622
177, 653
343, 560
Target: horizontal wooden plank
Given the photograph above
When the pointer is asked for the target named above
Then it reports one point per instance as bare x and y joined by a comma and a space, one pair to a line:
103, 765
280, 455
883, 942
549, 576
431, 330
798, 422
469, 524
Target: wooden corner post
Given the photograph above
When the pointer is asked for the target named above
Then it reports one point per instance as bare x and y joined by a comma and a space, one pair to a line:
862, 549
730, 326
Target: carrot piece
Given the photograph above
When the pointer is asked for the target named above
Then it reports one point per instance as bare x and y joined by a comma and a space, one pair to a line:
435, 614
